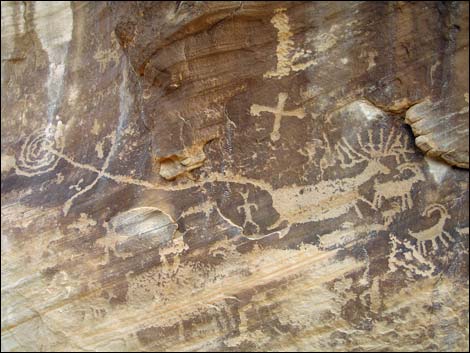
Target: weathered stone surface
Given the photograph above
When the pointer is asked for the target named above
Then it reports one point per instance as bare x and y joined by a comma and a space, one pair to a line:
235, 176
441, 133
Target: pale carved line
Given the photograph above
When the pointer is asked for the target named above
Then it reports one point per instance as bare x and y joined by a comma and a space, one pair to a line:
286, 54
101, 172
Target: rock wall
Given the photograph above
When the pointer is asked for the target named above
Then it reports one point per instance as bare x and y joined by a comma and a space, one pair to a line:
234, 176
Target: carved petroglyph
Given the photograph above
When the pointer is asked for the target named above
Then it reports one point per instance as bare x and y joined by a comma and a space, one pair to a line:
99, 149
329, 156
434, 232
105, 56
349, 157
36, 156
246, 209
278, 112
389, 214
95, 130
287, 55
43, 149
392, 146
400, 188
403, 255
332, 198
76, 186
105, 166
299, 204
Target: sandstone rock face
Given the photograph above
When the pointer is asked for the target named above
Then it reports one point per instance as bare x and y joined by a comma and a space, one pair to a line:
234, 176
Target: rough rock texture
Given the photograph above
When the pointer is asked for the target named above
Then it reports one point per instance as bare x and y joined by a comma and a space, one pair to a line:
234, 176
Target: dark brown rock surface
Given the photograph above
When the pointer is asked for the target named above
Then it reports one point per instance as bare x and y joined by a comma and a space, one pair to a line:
235, 176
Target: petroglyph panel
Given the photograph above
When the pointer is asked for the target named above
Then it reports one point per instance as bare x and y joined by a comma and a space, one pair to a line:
234, 176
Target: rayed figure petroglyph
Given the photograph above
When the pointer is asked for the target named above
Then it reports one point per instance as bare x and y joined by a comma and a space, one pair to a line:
332, 198
394, 145
434, 232
278, 112
400, 188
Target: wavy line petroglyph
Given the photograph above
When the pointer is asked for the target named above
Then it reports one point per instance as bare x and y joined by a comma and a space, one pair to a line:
43, 149
287, 55
434, 232
278, 112
105, 166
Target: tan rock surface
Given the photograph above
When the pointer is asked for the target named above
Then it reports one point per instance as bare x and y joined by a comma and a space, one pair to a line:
234, 176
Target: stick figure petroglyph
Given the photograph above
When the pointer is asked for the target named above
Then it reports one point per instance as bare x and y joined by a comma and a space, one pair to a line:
247, 210
278, 112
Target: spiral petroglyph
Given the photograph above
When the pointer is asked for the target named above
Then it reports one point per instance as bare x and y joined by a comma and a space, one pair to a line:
40, 152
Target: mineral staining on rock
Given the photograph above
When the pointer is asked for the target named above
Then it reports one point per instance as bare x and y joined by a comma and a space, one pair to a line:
229, 176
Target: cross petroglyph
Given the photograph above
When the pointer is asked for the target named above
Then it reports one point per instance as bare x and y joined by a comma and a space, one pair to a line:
278, 112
